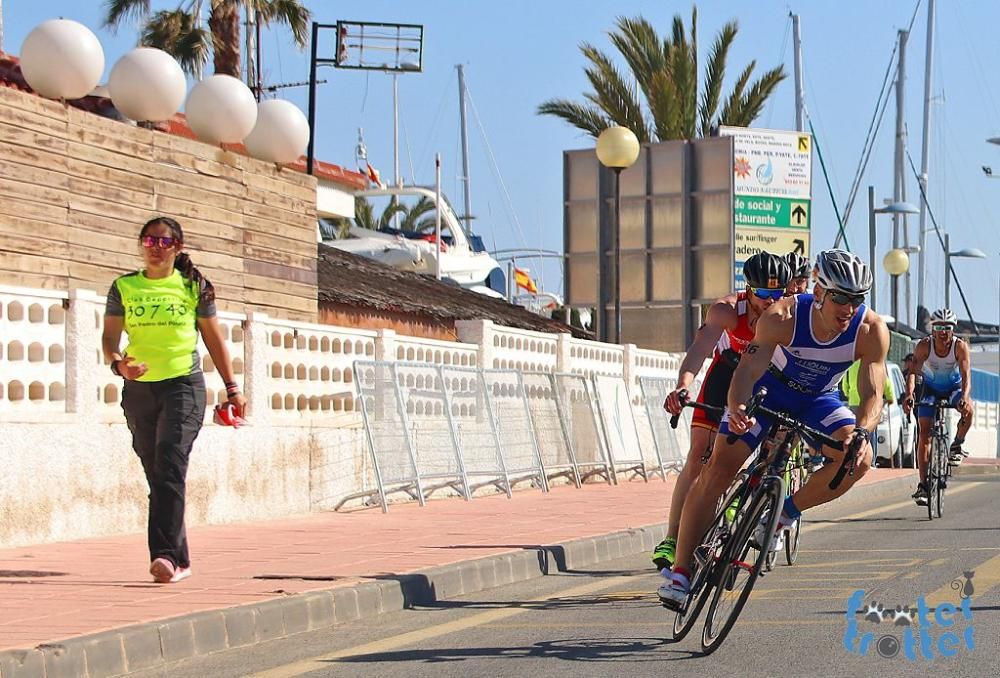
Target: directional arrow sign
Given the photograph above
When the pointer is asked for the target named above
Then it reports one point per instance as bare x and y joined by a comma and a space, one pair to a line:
770, 212
800, 246
800, 214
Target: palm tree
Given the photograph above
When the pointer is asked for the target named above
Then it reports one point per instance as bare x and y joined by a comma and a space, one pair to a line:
666, 72
364, 217
178, 31
416, 218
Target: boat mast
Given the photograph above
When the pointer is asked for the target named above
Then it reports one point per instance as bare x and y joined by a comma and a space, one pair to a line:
800, 101
465, 220
899, 225
925, 156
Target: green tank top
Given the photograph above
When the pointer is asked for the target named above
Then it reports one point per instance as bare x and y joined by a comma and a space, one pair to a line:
160, 317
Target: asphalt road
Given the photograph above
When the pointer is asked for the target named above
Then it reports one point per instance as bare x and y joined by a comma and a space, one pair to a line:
606, 620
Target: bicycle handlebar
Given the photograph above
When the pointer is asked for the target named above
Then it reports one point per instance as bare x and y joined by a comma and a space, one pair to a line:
848, 465
752, 406
683, 395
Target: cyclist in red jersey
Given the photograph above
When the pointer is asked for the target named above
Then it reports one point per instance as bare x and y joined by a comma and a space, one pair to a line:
725, 334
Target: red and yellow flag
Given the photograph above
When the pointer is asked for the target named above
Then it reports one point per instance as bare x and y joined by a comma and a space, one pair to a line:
524, 281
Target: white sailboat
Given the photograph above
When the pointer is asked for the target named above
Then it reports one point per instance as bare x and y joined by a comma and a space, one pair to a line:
463, 261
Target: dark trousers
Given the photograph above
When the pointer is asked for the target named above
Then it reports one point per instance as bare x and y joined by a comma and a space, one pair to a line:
165, 418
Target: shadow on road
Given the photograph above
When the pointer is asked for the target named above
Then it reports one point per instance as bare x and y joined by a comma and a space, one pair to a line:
574, 649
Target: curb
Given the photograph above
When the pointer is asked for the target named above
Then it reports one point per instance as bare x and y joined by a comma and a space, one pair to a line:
160, 643
977, 469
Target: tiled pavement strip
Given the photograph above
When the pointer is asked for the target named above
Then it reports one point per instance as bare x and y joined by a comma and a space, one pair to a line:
88, 607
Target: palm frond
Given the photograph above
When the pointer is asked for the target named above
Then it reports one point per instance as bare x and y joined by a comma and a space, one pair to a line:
175, 32
291, 13
753, 103
590, 119
733, 102
364, 215
393, 208
612, 94
414, 215
335, 228
636, 40
715, 72
117, 11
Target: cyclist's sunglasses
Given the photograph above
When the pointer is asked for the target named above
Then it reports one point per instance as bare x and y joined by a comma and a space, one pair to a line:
943, 328
843, 299
765, 293
163, 241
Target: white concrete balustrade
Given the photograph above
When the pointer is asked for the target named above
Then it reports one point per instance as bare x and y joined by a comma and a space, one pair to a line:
32, 351
310, 368
304, 447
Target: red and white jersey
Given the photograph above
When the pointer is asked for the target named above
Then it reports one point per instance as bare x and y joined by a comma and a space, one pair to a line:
739, 337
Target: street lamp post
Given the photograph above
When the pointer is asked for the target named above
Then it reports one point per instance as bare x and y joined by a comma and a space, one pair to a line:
968, 253
892, 208
617, 149
896, 262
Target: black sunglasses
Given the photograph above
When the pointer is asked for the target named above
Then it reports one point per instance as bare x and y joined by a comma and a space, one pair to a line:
843, 298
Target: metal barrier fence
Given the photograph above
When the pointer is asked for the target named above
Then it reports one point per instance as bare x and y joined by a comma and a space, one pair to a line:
614, 404
671, 443
433, 427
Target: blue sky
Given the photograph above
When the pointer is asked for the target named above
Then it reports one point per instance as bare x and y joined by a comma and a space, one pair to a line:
519, 53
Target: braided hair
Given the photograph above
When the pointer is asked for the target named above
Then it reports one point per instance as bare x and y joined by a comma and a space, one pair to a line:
183, 261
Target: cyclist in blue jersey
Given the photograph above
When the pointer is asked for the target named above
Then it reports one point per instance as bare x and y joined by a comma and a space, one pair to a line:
802, 347
944, 361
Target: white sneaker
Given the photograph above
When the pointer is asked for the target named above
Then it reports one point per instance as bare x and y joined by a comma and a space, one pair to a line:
180, 574
674, 592
672, 596
760, 535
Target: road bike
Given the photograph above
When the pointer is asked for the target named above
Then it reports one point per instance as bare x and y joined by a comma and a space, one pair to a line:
727, 562
938, 469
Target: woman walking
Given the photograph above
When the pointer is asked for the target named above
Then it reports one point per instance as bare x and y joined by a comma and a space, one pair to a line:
162, 308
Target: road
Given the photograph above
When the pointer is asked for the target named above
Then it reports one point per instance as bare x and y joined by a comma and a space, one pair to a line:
606, 621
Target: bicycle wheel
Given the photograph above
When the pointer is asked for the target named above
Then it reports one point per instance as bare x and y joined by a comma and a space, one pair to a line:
933, 473
794, 533
942, 482
740, 566
769, 560
712, 544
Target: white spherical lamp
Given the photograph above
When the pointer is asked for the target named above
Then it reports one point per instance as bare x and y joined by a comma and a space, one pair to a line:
62, 59
221, 109
896, 262
281, 133
617, 147
147, 84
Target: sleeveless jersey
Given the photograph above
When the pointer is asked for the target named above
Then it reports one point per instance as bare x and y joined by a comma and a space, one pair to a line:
941, 372
740, 336
808, 365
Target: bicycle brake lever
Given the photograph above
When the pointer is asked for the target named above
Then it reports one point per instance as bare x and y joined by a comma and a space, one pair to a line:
682, 395
755, 400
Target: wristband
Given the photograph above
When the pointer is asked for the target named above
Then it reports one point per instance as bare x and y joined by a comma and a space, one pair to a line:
114, 368
861, 432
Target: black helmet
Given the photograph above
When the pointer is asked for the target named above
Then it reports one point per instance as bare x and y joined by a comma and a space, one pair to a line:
766, 270
843, 271
801, 268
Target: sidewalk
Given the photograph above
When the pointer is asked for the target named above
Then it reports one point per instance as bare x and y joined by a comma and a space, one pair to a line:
55, 593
